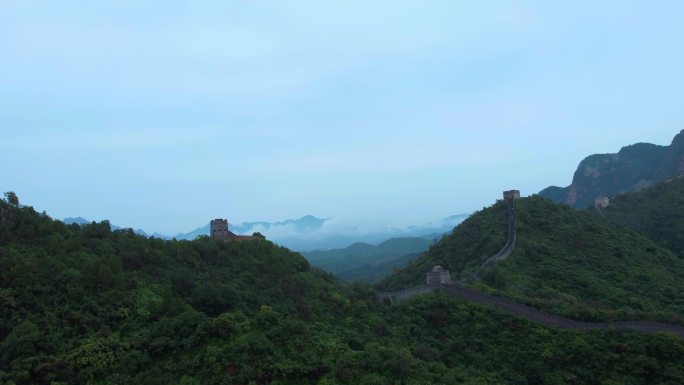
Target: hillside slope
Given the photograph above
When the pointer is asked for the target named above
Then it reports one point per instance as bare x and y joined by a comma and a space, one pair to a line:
88, 305
568, 262
656, 212
365, 262
373, 273
462, 251
631, 169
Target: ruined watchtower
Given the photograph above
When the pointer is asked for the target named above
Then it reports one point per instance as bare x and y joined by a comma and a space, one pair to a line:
438, 276
601, 202
511, 194
219, 229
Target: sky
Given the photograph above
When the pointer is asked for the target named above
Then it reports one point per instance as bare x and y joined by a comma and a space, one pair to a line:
161, 115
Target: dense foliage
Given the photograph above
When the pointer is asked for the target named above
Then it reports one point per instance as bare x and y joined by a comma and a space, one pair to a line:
461, 252
577, 264
566, 261
88, 305
657, 212
372, 273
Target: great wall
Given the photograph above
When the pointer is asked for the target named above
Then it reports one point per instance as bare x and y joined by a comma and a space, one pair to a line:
458, 290
507, 249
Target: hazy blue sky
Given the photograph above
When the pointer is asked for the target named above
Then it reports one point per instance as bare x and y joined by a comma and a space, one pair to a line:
164, 114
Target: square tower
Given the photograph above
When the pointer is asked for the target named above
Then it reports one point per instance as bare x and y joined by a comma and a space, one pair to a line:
219, 229
511, 194
438, 276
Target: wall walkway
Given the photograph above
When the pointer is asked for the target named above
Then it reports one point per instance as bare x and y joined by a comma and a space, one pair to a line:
507, 248
532, 314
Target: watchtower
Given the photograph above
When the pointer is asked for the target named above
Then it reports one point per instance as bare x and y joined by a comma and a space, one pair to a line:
602, 202
438, 276
511, 194
219, 229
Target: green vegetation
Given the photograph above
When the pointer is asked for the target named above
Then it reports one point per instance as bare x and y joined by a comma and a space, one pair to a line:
373, 273
88, 305
461, 252
568, 262
656, 212
368, 263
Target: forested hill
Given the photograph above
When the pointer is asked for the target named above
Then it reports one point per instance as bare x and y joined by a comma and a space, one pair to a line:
568, 262
461, 252
365, 262
656, 212
85, 304
88, 305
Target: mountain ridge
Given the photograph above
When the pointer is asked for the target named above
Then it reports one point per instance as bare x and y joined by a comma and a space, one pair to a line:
88, 305
310, 233
569, 262
367, 262
656, 212
633, 168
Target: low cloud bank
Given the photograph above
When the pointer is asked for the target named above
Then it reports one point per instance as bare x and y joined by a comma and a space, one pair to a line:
336, 233
311, 233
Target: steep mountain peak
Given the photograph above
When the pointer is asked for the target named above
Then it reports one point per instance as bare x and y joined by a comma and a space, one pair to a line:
673, 164
632, 168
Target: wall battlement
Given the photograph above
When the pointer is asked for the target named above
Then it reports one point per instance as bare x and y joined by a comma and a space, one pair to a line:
218, 230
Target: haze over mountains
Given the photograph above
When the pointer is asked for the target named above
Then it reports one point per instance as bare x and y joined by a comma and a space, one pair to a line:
353, 252
88, 305
365, 262
313, 233
334, 141
144, 310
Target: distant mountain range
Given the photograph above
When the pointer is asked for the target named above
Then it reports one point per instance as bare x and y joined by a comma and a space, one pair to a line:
304, 224
633, 168
335, 234
83, 221
313, 233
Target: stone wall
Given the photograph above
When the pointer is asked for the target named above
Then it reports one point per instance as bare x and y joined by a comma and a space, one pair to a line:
532, 314
406, 293
509, 246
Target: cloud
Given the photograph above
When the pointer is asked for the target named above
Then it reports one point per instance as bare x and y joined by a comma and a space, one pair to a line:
339, 232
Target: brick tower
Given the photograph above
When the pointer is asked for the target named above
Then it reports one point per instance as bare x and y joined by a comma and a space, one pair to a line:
219, 229
511, 194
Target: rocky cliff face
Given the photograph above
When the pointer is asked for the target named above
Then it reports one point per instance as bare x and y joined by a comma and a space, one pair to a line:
673, 160
631, 169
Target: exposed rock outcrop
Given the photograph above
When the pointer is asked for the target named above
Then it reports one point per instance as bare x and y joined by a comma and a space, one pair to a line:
633, 168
